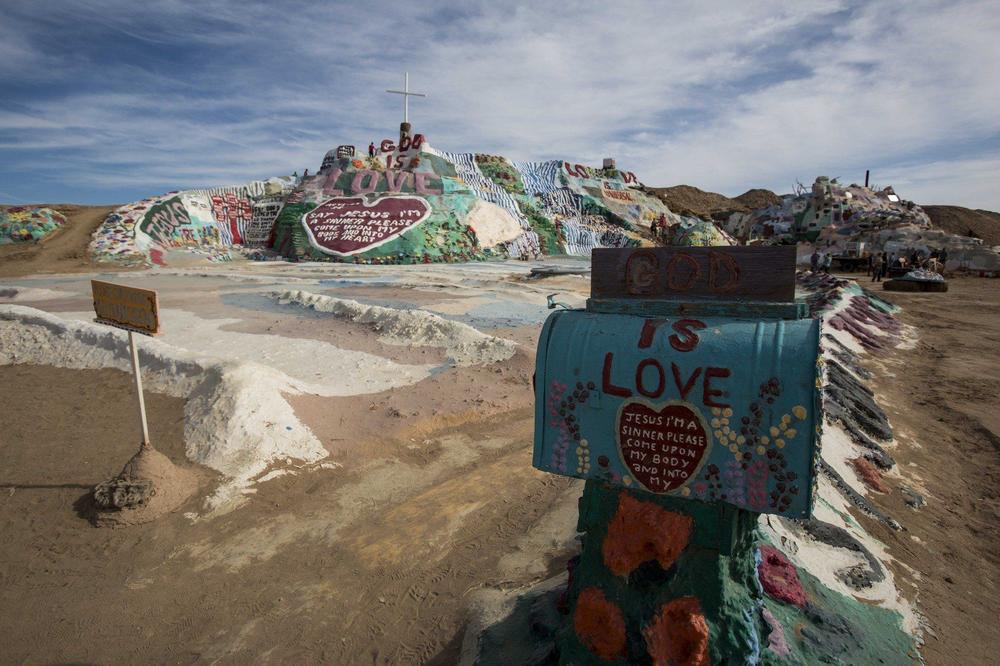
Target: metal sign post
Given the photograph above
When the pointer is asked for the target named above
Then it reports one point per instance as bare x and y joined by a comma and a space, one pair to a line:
685, 394
137, 311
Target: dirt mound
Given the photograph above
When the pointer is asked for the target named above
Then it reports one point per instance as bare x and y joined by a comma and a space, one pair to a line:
758, 198
983, 224
688, 200
148, 487
65, 251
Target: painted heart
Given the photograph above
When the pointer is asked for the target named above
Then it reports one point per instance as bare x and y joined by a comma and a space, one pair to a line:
350, 225
662, 448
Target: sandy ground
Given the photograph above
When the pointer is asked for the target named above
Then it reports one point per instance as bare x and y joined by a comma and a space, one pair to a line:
370, 566
429, 496
367, 567
942, 399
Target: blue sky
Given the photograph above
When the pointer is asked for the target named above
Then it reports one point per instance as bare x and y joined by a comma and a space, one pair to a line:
109, 102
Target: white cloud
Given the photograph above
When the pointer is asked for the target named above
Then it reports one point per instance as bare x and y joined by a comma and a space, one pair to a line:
724, 96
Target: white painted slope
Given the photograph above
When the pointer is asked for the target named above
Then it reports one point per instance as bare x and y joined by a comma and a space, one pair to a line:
464, 344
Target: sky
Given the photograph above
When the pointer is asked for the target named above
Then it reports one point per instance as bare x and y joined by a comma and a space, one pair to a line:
110, 102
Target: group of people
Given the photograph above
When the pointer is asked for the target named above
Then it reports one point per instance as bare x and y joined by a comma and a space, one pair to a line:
821, 262
879, 263
660, 230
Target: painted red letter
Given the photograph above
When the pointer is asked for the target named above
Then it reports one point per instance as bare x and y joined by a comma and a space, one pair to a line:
708, 393
690, 339
606, 384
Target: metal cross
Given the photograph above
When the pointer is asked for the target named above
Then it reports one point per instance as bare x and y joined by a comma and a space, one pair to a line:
405, 92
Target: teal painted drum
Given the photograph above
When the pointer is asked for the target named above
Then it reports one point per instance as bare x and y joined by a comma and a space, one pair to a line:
716, 409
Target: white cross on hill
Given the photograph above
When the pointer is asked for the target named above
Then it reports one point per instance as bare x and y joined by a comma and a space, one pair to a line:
405, 92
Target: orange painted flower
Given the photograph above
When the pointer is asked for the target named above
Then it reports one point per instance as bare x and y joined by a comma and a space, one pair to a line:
358, 164
678, 634
642, 531
599, 624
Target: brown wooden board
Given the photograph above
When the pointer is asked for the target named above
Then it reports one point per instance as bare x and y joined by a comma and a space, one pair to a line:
130, 308
716, 273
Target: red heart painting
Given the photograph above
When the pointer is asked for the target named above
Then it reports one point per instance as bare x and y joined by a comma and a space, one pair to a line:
350, 225
662, 448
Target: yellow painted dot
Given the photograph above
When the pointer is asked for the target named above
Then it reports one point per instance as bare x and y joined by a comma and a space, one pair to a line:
716, 411
627, 480
685, 491
732, 435
725, 430
774, 431
741, 439
734, 448
579, 470
727, 412
765, 439
715, 423
737, 456
724, 421
791, 432
760, 450
584, 443
783, 426
718, 434
786, 418
780, 443
579, 450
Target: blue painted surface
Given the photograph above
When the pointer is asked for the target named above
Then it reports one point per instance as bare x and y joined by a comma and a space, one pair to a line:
715, 409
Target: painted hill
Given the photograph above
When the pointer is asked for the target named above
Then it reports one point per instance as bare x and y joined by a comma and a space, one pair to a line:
28, 224
407, 204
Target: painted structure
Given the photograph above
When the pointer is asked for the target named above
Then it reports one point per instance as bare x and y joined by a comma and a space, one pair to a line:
710, 408
828, 214
207, 223
665, 578
28, 224
853, 219
477, 206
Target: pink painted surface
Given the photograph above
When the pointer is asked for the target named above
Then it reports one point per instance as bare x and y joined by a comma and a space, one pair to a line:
779, 578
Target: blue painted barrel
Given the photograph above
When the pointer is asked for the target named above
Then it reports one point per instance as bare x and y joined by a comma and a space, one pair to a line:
717, 409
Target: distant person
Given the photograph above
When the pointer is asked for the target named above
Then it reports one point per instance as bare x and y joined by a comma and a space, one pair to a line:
827, 262
814, 261
371, 149
943, 257
881, 263
871, 265
654, 229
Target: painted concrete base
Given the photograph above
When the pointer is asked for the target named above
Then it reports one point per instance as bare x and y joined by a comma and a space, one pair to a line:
680, 582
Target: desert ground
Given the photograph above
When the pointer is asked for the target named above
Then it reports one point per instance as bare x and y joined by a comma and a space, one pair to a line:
427, 497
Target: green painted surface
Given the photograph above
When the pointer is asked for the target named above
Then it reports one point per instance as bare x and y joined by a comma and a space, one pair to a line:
717, 568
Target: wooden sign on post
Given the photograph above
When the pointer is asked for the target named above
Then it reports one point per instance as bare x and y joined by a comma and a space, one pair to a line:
135, 310
130, 308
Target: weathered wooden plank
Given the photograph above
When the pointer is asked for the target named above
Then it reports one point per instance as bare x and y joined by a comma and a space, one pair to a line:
735, 310
716, 273
131, 308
